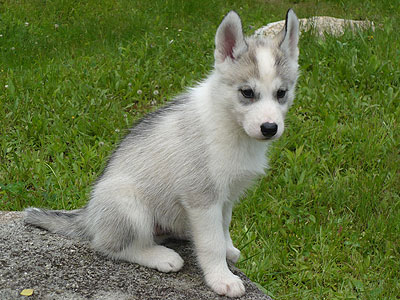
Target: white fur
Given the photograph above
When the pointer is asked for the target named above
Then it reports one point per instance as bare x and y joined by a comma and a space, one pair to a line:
180, 171
266, 64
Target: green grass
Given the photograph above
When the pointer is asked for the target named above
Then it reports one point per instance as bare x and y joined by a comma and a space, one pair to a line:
325, 221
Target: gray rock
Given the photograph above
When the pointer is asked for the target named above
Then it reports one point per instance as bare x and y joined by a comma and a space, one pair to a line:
321, 25
56, 267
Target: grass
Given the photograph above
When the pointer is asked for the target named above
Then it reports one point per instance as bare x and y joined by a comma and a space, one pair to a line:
324, 223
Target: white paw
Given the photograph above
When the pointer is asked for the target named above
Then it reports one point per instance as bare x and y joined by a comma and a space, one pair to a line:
157, 257
168, 261
226, 284
232, 254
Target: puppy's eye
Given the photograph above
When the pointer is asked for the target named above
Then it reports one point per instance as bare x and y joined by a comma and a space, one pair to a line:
247, 93
280, 93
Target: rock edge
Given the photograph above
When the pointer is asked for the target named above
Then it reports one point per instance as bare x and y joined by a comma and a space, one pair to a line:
56, 267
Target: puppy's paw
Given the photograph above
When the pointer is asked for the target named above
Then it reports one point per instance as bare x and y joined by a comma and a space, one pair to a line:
232, 254
226, 284
169, 261
157, 257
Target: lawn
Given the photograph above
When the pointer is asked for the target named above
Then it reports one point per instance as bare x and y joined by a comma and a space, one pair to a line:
324, 223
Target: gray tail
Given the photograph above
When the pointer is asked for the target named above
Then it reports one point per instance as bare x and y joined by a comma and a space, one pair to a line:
68, 223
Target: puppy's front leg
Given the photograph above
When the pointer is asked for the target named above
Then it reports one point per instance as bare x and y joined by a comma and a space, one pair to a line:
232, 253
210, 245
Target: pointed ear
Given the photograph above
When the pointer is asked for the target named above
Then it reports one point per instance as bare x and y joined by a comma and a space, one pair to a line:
229, 40
288, 38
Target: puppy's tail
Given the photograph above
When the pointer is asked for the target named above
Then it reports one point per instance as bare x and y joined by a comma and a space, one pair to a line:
68, 223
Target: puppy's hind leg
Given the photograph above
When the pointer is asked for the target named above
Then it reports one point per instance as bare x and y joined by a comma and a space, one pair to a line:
154, 256
128, 235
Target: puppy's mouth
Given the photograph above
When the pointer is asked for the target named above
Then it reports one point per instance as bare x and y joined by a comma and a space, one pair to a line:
266, 139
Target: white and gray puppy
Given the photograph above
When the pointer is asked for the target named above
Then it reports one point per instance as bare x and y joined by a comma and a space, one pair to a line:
181, 169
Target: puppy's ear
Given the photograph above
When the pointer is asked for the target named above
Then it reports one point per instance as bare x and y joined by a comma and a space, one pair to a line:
229, 40
288, 38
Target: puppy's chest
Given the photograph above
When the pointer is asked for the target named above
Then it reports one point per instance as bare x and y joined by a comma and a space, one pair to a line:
235, 173
238, 188
240, 164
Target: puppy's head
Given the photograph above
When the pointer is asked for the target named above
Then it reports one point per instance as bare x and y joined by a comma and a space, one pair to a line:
257, 75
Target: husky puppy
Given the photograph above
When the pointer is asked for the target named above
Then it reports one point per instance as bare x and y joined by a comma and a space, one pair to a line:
181, 169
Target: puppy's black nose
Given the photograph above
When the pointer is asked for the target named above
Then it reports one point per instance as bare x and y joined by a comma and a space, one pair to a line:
269, 129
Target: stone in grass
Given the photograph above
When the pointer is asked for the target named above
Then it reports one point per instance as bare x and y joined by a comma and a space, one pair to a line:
55, 267
321, 25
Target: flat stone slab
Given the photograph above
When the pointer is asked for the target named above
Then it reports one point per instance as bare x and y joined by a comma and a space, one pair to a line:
56, 267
